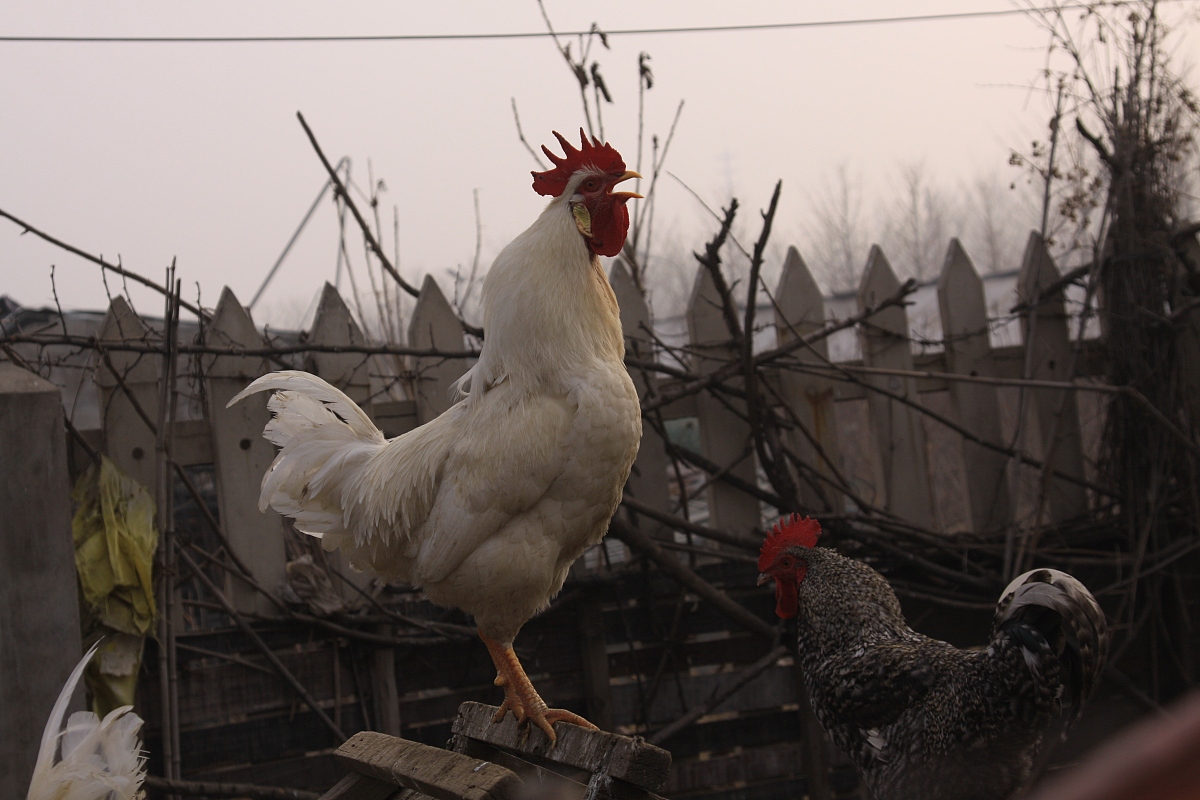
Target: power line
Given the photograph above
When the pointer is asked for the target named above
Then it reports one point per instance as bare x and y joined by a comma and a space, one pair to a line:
448, 37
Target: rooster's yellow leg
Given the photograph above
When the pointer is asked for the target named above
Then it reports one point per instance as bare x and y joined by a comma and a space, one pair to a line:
521, 698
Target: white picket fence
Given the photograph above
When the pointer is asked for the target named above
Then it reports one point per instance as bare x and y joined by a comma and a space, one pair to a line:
896, 457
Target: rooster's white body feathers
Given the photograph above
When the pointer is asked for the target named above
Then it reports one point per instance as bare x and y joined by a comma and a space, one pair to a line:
487, 505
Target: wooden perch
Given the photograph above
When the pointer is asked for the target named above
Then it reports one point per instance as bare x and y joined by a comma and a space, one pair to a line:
440, 774
583, 765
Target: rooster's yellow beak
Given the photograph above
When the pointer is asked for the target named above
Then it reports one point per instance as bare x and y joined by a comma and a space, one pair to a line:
627, 195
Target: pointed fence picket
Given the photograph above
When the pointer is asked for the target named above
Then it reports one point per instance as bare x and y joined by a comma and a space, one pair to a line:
334, 325
241, 456
800, 310
724, 435
963, 309
435, 325
897, 426
128, 440
1049, 358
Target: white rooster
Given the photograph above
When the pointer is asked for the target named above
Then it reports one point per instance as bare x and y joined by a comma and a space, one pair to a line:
487, 506
101, 759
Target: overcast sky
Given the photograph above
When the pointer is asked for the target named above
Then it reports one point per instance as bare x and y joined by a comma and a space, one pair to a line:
193, 151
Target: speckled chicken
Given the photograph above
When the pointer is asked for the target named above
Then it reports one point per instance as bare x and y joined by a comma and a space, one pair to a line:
922, 719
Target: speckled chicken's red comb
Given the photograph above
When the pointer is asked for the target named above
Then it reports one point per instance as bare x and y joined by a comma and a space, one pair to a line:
793, 531
603, 157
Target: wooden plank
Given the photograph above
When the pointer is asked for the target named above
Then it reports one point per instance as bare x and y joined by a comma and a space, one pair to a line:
241, 455
977, 406
128, 441
648, 480
800, 311
1044, 327
898, 433
631, 760
724, 436
441, 774
434, 324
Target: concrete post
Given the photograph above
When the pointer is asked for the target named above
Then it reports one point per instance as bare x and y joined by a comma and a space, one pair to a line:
39, 609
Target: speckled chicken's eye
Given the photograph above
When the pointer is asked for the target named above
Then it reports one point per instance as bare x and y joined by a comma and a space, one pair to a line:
787, 562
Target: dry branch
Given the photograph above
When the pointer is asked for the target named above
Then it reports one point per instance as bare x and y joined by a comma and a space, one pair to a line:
199, 312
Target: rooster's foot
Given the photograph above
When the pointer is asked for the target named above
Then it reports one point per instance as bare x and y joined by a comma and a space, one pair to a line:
522, 699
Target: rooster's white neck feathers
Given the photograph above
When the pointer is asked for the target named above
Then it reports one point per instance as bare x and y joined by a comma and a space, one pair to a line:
548, 310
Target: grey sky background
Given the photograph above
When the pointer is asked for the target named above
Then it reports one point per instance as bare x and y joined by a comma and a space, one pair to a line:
154, 151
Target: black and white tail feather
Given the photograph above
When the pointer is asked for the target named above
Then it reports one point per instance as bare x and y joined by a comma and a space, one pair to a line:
100, 759
1048, 612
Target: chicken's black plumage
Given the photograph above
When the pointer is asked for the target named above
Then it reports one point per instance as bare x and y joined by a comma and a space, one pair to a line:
921, 718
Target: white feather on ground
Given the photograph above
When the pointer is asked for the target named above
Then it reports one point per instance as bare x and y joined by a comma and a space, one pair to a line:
101, 759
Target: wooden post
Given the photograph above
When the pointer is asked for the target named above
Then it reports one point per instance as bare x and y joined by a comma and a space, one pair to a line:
724, 436
241, 455
969, 352
435, 325
128, 440
648, 480
39, 611
898, 432
1044, 326
801, 310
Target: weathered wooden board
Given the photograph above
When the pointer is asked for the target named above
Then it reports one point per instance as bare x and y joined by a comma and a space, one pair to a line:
441, 774
977, 406
128, 441
1046, 334
621, 757
800, 311
241, 455
724, 435
435, 325
898, 433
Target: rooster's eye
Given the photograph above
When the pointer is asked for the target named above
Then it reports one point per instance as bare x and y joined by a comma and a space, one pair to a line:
786, 563
591, 184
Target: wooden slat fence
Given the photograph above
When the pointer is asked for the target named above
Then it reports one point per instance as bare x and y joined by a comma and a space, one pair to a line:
639, 654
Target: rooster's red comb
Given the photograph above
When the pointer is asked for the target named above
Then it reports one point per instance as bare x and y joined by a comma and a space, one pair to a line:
792, 531
603, 157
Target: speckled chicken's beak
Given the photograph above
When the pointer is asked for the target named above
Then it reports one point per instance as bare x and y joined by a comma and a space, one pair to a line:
627, 195
763, 578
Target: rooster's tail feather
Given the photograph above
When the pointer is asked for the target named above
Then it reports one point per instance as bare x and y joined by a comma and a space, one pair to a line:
101, 759
325, 440
1078, 623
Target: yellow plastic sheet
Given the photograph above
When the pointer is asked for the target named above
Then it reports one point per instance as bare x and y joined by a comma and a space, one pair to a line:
115, 541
